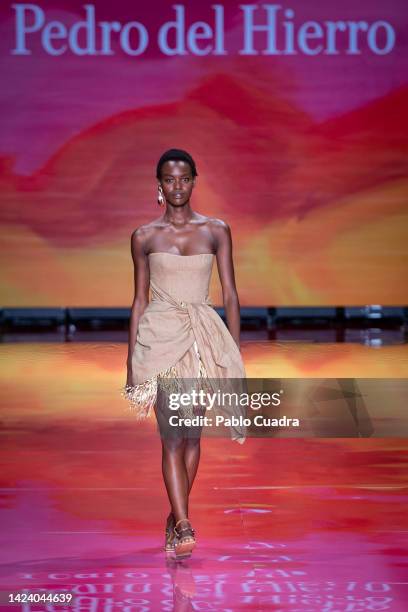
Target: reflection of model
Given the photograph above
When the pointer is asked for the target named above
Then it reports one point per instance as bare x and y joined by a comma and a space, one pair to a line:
178, 333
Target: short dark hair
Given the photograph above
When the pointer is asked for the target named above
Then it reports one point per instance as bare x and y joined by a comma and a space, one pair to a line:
176, 155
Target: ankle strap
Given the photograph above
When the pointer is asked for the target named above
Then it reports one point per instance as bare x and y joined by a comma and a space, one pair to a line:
181, 520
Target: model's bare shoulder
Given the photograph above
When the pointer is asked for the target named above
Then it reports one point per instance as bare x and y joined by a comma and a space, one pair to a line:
139, 235
139, 238
219, 224
142, 234
220, 229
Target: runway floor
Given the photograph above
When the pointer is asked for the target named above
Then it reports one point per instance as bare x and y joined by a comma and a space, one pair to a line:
282, 524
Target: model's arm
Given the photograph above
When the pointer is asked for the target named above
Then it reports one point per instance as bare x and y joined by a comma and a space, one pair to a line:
141, 297
225, 265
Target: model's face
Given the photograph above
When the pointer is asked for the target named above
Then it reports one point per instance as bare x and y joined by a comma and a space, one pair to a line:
177, 182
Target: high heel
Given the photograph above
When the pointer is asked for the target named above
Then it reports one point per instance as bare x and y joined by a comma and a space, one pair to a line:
184, 540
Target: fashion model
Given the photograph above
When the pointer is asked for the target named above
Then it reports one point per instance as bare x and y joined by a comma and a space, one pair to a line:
178, 334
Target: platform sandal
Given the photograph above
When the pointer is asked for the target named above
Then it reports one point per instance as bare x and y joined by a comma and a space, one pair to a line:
184, 540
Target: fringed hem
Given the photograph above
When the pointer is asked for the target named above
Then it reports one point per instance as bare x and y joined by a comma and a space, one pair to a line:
142, 397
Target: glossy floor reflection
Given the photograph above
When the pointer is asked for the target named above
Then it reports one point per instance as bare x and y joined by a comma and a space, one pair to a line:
282, 524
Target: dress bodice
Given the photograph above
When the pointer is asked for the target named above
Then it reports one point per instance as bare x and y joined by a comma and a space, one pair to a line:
185, 277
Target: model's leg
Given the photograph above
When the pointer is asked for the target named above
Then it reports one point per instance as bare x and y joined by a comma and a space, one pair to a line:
178, 479
185, 541
175, 476
191, 460
173, 468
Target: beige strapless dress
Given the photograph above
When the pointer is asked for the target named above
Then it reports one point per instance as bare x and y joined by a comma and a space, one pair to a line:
180, 335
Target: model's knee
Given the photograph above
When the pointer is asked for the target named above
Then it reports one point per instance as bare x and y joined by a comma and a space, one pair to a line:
193, 443
173, 447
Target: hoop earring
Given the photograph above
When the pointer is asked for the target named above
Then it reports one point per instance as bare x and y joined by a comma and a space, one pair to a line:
160, 197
